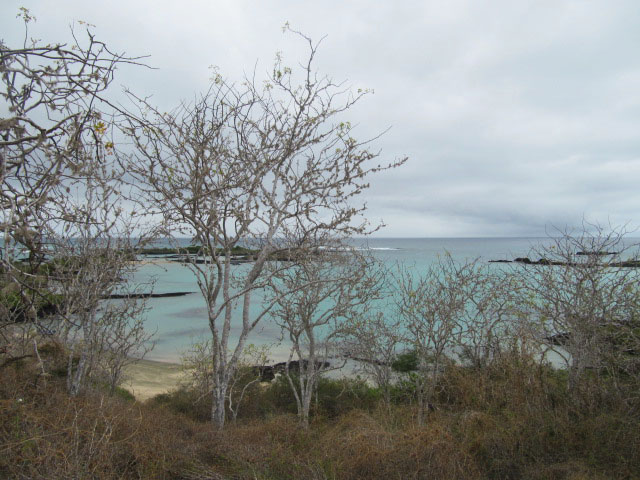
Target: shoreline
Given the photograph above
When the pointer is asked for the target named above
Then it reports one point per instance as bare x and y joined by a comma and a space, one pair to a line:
148, 378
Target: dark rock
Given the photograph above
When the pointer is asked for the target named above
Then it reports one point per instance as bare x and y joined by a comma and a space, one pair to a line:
201, 261
525, 260
626, 264
268, 372
196, 261
265, 372
372, 361
597, 253
294, 366
541, 261
116, 296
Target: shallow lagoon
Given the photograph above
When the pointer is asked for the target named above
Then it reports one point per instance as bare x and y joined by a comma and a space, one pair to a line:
180, 321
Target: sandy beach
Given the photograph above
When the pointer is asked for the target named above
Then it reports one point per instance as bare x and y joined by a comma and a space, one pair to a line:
147, 378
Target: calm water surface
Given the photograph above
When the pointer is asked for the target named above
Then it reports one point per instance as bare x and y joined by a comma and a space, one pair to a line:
180, 321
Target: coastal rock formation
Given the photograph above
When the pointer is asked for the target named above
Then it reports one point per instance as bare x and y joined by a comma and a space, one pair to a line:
528, 261
597, 253
543, 261
118, 296
268, 372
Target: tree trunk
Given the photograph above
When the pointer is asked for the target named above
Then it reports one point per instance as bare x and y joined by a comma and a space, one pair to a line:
306, 406
386, 396
420, 405
76, 379
218, 405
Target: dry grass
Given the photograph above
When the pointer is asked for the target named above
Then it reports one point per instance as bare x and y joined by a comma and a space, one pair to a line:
509, 422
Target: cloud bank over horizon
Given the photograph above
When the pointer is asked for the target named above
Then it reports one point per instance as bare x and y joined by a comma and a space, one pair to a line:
516, 116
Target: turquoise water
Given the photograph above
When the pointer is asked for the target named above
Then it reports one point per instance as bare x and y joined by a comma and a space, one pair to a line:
180, 321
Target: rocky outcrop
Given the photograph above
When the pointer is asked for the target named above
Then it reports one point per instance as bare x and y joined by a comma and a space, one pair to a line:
597, 253
268, 372
544, 261
118, 296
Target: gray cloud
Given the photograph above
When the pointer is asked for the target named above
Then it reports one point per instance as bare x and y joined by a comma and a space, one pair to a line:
515, 115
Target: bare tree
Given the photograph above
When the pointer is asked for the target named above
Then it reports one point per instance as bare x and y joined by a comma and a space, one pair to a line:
196, 363
245, 166
53, 96
432, 307
249, 373
315, 319
489, 320
581, 301
124, 340
373, 341
92, 252
85, 252
197, 367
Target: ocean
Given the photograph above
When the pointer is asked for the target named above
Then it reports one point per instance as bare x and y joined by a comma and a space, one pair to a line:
178, 322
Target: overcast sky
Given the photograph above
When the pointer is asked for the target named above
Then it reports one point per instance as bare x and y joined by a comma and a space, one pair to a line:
515, 115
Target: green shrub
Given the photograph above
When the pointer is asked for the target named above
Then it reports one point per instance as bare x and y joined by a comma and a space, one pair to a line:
185, 401
335, 397
275, 398
124, 394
